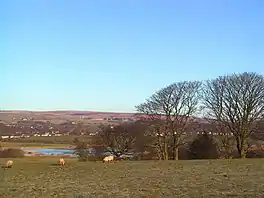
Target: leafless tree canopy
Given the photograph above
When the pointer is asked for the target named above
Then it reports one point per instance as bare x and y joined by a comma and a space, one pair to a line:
123, 138
174, 104
237, 101
176, 99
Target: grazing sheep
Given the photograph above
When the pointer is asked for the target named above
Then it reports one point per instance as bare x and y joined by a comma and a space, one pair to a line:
9, 163
108, 158
62, 162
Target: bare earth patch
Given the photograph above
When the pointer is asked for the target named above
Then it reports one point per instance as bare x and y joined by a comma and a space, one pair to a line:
38, 177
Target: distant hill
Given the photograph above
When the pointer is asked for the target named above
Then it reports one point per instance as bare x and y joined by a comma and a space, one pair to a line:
70, 113
14, 115
60, 116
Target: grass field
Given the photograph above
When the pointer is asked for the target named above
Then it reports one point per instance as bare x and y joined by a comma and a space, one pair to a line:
41, 177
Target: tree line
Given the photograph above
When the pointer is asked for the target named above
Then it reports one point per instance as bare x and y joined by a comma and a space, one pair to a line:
232, 105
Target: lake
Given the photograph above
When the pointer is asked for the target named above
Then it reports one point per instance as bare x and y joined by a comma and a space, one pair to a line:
55, 151
49, 151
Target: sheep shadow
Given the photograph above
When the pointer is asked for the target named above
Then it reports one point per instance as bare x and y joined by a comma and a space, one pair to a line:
5, 167
54, 164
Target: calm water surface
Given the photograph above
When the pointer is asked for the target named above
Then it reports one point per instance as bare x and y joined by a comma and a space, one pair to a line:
55, 151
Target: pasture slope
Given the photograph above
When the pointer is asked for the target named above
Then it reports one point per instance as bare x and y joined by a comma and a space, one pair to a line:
43, 178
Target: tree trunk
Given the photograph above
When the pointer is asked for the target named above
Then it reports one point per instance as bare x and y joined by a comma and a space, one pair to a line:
243, 154
161, 148
175, 151
166, 154
162, 153
173, 148
241, 147
159, 152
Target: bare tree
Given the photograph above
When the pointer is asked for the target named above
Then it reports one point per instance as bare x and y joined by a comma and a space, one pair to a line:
237, 102
169, 111
226, 139
121, 139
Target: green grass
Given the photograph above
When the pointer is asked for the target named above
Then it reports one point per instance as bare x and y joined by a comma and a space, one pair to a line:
38, 177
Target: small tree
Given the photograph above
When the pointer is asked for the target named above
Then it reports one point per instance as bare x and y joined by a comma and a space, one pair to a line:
227, 146
226, 141
203, 147
81, 150
121, 139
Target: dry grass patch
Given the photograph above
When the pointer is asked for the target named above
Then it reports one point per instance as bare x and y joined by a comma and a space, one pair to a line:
40, 177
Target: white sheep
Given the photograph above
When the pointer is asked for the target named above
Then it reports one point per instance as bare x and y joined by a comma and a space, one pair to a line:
108, 158
62, 162
9, 163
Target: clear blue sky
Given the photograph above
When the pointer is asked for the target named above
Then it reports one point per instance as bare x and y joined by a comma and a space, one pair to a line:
110, 55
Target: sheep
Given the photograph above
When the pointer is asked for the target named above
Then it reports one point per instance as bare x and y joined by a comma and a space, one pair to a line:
9, 163
108, 158
62, 162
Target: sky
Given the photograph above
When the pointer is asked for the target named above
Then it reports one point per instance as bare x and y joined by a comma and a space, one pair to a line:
110, 55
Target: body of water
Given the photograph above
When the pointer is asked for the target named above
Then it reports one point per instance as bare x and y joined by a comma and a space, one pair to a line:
50, 151
55, 151
59, 151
